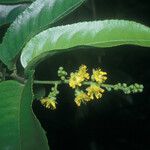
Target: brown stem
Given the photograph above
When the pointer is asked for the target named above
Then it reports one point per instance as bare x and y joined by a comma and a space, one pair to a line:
18, 78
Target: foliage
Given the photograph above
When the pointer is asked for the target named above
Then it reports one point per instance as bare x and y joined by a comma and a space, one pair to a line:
8, 13
30, 39
19, 127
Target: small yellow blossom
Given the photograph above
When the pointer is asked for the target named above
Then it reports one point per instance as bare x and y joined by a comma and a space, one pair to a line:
99, 76
83, 72
78, 77
49, 102
75, 80
94, 90
81, 97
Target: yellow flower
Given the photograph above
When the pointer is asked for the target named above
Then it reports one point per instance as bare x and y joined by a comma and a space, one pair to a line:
75, 80
99, 76
94, 90
49, 102
81, 97
78, 77
83, 72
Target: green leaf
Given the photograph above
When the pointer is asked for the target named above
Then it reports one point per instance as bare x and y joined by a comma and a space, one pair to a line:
37, 17
97, 33
14, 1
19, 128
8, 13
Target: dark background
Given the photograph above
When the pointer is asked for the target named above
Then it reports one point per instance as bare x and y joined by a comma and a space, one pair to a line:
116, 121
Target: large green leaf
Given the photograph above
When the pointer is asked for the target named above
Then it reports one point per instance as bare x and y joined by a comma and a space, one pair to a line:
19, 128
97, 33
14, 1
8, 13
37, 17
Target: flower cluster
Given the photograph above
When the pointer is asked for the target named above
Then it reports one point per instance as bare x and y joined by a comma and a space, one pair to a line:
78, 77
81, 97
87, 88
93, 91
99, 76
49, 102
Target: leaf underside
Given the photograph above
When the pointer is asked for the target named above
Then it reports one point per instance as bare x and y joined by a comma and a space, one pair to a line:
106, 33
19, 128
37, 17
